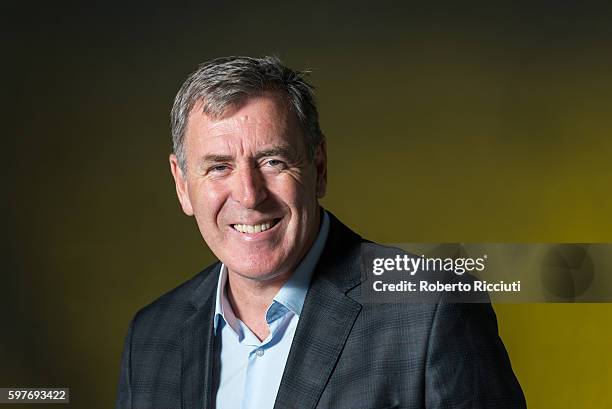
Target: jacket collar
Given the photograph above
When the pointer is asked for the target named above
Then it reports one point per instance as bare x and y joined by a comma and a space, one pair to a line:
326, 321
198, 358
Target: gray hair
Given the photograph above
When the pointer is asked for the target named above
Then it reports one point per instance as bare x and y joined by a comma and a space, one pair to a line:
227, 81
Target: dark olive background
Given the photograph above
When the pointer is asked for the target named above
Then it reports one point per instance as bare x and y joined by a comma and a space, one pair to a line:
448, 122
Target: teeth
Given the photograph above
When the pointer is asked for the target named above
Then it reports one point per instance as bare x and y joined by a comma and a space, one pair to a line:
253, 228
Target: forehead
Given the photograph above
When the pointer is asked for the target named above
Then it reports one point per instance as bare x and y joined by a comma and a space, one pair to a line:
262, 121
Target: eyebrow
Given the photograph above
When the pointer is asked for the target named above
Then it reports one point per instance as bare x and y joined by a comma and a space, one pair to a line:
282, 150
215, 158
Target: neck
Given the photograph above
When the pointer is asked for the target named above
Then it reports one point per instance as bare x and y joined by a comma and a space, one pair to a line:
250, 300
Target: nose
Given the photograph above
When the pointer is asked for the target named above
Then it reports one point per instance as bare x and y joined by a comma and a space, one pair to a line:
249, 188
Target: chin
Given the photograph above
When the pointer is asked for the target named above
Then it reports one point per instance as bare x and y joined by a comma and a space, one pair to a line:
256, 275
261, 270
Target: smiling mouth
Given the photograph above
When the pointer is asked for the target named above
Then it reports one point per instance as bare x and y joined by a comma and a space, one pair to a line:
255, 228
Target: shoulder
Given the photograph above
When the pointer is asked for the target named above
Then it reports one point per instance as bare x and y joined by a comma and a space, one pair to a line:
165, 316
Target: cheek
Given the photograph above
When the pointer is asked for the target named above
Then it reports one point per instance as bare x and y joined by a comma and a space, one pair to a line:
207, 199
290, 196
301, 201
295, 189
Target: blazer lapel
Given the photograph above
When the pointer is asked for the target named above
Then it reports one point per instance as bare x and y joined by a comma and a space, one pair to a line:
198, 347
326, 321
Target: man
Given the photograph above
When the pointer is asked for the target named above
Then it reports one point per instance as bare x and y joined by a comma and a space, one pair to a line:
279, 321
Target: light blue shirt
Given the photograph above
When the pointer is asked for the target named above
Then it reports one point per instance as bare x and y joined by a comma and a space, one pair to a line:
251, 370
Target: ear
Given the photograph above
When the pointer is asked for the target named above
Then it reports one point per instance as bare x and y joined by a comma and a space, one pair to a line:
320, 161
180, 182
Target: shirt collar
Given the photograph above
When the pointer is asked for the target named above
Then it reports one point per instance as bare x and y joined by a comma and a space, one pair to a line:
291, 295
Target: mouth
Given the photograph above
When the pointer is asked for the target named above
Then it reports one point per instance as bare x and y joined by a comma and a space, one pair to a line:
255, 228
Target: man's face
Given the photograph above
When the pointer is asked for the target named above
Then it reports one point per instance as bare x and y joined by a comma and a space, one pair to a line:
251, 186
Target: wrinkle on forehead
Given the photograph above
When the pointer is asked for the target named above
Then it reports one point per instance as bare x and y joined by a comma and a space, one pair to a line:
276, 104
246, 128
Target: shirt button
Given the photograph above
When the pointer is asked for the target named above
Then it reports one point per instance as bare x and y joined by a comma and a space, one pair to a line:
260, 352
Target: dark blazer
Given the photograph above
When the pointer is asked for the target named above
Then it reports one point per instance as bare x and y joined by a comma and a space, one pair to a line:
345, 354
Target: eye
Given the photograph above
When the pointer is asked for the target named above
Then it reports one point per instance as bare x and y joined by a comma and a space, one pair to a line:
218, 168
275, 163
